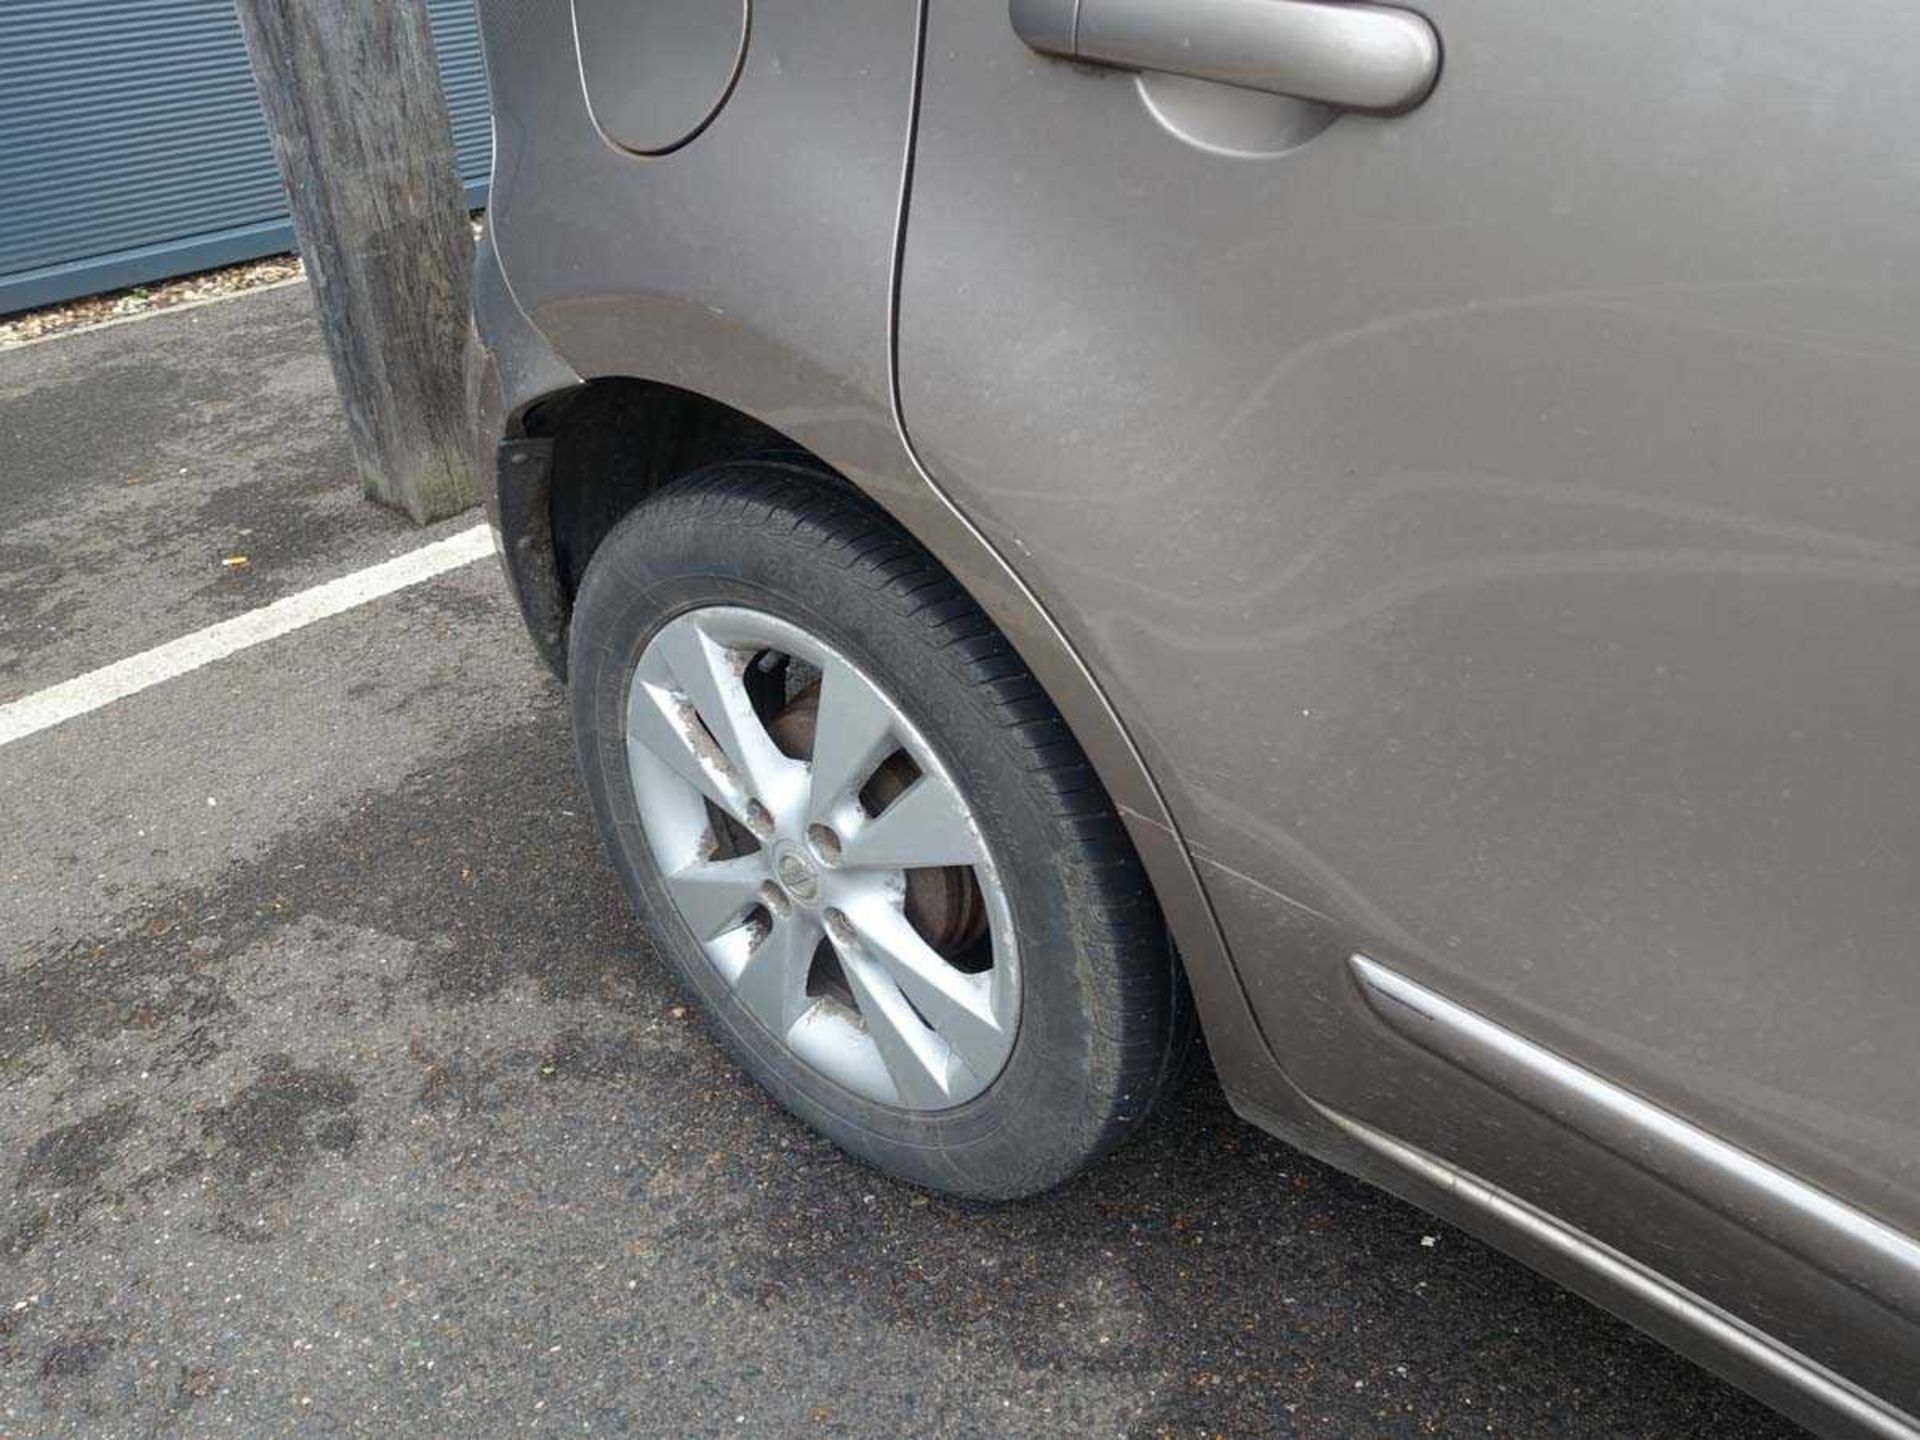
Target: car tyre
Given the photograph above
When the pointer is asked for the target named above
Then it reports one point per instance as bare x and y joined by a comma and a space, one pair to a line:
736, 557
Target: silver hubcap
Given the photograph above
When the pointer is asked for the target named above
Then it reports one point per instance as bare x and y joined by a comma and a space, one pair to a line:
797, 872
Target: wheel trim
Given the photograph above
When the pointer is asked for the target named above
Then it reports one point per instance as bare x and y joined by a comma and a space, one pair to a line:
921, 1033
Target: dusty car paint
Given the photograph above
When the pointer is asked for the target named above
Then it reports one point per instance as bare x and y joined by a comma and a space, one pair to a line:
1479, 540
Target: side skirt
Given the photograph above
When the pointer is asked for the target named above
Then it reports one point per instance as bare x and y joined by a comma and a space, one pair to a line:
1875, 1259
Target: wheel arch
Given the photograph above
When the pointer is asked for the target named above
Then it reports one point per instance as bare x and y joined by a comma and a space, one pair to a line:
576, 459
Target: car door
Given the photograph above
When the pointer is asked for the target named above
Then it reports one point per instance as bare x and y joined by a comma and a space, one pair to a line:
1497, 524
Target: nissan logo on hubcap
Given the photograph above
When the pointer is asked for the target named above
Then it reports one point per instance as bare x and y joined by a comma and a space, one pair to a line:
796, 875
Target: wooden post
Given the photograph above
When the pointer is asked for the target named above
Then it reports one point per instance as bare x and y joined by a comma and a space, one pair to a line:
352, 97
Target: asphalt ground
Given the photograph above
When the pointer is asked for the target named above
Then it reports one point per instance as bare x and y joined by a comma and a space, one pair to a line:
339, 1093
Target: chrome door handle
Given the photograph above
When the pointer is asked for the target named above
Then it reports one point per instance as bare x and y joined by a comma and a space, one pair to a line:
1359, 57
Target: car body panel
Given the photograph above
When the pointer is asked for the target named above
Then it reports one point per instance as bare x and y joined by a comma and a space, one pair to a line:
1497, 525
1474, 539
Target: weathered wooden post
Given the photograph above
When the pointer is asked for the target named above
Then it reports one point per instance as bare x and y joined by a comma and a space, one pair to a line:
352, 96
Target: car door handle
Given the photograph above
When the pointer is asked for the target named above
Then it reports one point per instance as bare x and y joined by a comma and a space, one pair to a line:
1358, 57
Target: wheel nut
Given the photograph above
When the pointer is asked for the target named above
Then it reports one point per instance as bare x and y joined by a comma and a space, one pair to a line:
759, 817
824, 844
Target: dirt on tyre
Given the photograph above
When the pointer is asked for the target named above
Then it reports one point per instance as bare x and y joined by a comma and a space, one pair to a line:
860, 831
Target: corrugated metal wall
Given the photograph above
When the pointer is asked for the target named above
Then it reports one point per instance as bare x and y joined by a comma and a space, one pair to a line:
132, 148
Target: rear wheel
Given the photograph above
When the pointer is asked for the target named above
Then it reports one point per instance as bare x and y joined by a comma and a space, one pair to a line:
865, 838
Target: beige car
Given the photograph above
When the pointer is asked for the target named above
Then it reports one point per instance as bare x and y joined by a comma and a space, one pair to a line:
1396, 531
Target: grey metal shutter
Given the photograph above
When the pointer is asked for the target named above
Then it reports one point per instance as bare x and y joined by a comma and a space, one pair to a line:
132, 148
463, 73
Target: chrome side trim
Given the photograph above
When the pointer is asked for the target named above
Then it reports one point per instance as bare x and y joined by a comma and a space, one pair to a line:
1660, 1296
1846, 1243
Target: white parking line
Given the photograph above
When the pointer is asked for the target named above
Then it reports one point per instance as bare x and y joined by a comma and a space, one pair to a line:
57, 703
